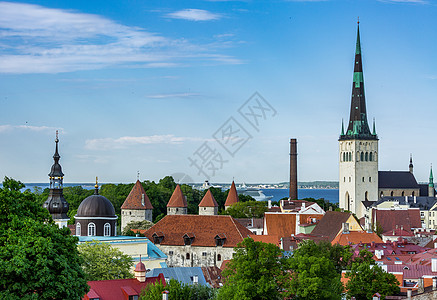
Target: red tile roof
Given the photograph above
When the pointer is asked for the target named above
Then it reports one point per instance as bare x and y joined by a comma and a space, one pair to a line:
356, 237
232, 196
118, 289
388, 218
177, 199
213, 275
398, 232
135, 198
269, 239
208, 200
279, 224
204, 229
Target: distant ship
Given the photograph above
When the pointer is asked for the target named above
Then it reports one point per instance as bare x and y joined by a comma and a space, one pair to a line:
206, 185
253, 192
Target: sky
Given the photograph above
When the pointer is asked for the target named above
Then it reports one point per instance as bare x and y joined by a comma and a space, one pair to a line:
211, 89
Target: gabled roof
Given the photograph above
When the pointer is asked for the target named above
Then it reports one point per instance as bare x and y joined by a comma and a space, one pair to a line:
280, 224
208, 200
396, 180
177, 199
232, 195
389, 219
356, 237
119, 288
398, 232
205, 229
135, 198
331, 224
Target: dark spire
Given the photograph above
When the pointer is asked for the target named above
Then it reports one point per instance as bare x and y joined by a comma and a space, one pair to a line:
96, 187
431, 177
358, 127
410, 166
56, 203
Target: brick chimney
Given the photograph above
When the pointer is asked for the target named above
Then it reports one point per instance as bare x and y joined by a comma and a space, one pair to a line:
293, 169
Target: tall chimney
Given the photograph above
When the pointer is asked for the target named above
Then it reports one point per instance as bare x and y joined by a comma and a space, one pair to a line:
293, 169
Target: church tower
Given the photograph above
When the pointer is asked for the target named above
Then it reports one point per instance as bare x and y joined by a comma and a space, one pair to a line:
56, 203
358, 147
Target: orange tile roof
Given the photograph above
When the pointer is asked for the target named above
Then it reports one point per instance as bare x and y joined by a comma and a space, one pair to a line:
280, 224
269, 239
203, 228
135, 198
356, 237
177, 199
232, 196
208, 200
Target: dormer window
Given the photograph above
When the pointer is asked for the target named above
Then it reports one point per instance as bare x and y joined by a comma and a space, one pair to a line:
220, 239
188, 238
157, 237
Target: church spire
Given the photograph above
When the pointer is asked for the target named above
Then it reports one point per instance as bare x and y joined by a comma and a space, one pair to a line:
431, 190
410, 167
358, 127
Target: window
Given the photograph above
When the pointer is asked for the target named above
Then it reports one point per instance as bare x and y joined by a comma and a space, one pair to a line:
170, 252
349, 179
403, 193
370, 179
187, 256
370, 156
78, 233
391, 194
367, 156
133, 297
362, 156
204, 254
107, 230
412, 194
363, 179
219, 257
91, 229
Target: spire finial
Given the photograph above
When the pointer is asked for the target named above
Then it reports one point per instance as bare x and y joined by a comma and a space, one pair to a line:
140, 257
56, 140
96, 192
358, 22
138, 175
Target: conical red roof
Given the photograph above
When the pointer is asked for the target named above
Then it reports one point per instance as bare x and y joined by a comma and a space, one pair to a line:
135, 198
177, 199
232, 196
208, 200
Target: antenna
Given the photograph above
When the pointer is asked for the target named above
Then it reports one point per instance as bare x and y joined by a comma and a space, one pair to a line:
138, 175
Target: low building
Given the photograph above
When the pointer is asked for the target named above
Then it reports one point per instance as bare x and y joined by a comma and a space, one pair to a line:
196, 240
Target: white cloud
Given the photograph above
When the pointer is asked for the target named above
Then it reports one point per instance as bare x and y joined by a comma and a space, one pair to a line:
175, 95
192, 14
128, 141
7, 127
37, 39
405, 1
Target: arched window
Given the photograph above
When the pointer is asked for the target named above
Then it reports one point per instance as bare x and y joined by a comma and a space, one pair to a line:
362, 156
187, 256
350, 156
391, 193
91, 229
381, 195
367, 156
219, 257
370, 156
78, 233
344, 156
370, 179
107, 229
347, 201
403, 193
366, 194
412, 194
363, 179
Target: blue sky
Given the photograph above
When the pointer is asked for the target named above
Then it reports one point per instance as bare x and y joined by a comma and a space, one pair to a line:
148, 85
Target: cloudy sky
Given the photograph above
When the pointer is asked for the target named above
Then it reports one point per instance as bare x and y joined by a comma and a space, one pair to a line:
211, 89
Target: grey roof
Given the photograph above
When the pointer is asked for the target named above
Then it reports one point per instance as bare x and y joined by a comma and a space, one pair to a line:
397, 180
95, 206
423, 203
181, 274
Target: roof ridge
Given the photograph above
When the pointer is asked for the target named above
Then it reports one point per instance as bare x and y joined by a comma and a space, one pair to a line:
236, 227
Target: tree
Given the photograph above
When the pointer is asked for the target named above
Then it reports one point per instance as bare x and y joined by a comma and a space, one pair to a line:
314, 272
144, 225
37, 259
256, 271
366, 279
248, 209
177, 291
103, 262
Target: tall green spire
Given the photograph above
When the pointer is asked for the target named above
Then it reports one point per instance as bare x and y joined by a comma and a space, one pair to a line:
431, 178
342, 127
358, 127
374, 127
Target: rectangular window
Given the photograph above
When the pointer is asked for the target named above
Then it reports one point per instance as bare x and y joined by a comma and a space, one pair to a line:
204, 254
170, 252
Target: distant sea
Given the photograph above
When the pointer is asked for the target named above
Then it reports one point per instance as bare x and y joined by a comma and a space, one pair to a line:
328, 194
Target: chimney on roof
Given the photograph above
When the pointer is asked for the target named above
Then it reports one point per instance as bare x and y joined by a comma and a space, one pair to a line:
379, 254
303, 205
434, 264
293, 169
345, 228
269, 203
409, 291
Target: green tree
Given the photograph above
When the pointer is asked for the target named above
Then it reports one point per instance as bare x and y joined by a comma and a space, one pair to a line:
37, 259
104, 262
248, 209
177, 291
144, 225
366, 279
256, 271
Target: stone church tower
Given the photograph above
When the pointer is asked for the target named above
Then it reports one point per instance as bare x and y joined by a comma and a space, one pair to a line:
358, 147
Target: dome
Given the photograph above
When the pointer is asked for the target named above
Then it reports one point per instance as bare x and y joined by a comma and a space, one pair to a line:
140, 267
56, 171
95, 206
